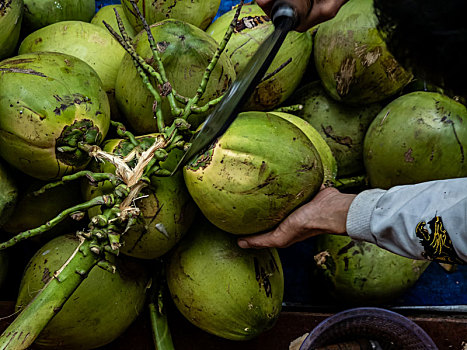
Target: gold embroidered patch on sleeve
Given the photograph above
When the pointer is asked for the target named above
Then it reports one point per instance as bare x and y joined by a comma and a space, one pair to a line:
436, 241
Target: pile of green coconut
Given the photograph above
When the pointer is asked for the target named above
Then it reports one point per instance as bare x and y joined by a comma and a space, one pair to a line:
98, 107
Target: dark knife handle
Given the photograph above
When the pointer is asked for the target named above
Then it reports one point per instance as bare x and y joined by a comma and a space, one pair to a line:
225, 112
297, 10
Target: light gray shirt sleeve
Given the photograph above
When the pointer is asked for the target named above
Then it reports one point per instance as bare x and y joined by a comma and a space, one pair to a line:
422, 221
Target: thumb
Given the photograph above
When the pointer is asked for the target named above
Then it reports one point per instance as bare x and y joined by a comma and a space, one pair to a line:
273, 239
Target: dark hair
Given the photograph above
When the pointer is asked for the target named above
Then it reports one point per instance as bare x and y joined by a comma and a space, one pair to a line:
428, 37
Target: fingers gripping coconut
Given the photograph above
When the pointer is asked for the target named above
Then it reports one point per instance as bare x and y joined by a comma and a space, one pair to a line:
255, 174
326, 213
132, 172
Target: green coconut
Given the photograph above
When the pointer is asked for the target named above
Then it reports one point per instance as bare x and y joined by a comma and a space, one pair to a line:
200, 13
107, 14
41, 13
11, 15
253, 27
91, 43
8, 194
32, 210
352, 59
231, 292
418, 137
255, 174
98, 311
325, 153
362, 273
166, 207
48, 103
342, 127
185, 52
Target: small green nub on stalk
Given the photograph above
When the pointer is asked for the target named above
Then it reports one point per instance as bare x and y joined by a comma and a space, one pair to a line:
114, 239
99, 220
182, 124
161, 154
108, 249
99, 234
105, 265
109, 200
95, 249
78, 215
81, 131
122, 191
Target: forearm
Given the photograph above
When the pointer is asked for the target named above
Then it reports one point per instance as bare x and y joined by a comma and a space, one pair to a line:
422, 221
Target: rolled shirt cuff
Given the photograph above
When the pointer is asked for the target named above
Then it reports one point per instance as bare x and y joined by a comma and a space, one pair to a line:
359, 215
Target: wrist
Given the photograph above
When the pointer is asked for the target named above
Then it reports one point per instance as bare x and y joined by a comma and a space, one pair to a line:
341, 206
327, 212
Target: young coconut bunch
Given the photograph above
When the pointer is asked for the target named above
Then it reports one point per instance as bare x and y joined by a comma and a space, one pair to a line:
119, 209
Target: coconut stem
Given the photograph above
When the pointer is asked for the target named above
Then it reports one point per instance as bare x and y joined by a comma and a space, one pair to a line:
128, 46
180, 98
212, 64
160, 328
160, 77
121, 28
93, 177
142, 67
157, 310
205, 108
51, 223
123, 132
38, 313
160, 67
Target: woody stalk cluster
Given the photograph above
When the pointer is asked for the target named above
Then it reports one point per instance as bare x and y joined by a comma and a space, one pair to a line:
102, 236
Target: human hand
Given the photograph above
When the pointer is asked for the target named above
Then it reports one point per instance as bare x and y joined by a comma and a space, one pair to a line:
325, 213
321, 11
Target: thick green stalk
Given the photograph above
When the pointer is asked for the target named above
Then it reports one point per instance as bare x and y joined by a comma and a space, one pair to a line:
48, 302
131, 51
94, 177
217, 55
157, 107
123, 132
180, 98
51, 223
161, 78
212, 64
160, 67
205, 108
142, 67
121, 28
157, 311
160, 329
138, 60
